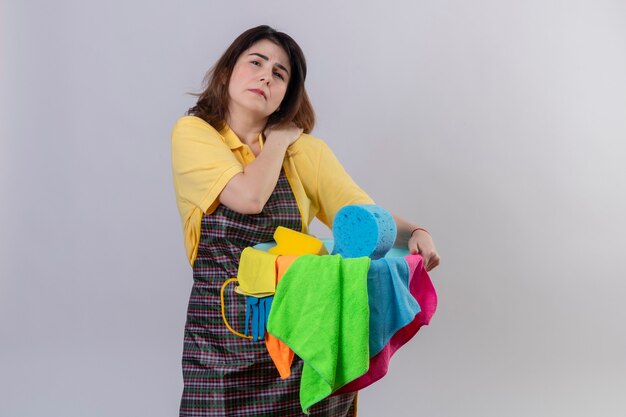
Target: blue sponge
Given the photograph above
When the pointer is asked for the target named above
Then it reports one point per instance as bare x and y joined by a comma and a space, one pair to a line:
363, 230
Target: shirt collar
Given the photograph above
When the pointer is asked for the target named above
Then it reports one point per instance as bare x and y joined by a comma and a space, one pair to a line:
233, 141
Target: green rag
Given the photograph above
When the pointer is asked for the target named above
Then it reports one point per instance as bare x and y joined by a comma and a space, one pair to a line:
320, 310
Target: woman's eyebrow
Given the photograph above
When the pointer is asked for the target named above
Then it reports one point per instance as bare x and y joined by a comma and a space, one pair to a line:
279, 65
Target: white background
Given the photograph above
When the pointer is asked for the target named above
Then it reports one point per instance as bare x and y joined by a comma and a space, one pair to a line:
498, 125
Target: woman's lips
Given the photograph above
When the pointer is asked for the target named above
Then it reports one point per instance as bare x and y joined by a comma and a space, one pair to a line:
259, 92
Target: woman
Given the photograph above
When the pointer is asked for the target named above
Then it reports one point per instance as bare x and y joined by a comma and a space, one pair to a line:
244, 164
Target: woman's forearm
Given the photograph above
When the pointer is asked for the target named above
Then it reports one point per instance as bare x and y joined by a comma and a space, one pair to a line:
404, 231
418, 240
248, 191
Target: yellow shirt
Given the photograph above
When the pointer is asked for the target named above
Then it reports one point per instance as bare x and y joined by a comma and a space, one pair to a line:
204, 160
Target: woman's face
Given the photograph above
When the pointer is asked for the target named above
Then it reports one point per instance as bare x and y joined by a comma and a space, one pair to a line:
259, 80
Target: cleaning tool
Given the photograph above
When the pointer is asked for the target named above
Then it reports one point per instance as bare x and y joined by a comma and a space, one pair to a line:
281, 354
422, 289
363, 230
257, 312
291, 242
320, 310
257, 273
391, 304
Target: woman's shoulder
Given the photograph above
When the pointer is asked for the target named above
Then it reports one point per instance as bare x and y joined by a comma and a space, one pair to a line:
185, 123
306, 148
311, 147
309, 143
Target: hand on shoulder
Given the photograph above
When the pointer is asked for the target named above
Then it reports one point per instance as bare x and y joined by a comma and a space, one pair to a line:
283, 134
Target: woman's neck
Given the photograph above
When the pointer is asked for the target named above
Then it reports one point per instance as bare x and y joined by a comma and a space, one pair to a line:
247, 128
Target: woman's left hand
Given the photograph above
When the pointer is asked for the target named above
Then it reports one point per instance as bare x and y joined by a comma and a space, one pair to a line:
421, 242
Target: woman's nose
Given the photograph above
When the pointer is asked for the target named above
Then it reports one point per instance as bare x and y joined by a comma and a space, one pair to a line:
266, 78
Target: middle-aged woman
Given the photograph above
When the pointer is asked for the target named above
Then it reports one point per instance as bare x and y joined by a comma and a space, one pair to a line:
244, 163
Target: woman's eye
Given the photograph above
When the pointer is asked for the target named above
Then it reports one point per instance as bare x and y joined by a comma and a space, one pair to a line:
257, 63
279, 75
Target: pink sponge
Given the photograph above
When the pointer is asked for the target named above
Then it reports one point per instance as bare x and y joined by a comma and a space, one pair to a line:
363, 230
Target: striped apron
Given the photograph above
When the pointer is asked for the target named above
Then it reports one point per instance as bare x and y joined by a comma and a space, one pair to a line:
226, 375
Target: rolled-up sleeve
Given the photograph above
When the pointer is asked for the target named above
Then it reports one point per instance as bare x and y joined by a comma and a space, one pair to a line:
202, 165
335, 187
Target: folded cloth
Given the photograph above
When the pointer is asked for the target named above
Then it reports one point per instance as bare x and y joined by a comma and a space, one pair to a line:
257, 273
392, 306
422, 289
280, 352
321, 311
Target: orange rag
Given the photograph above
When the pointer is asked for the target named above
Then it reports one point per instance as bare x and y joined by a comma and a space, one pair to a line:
281, 354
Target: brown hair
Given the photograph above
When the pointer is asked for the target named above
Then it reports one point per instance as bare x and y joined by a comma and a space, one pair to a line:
212, 104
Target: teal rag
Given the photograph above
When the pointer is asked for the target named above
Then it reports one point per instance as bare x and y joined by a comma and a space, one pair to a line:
392, 306
320, 310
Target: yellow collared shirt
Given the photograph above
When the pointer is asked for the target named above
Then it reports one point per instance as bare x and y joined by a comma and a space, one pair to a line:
204, 160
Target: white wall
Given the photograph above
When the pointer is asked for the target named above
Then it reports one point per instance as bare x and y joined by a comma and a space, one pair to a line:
499, 125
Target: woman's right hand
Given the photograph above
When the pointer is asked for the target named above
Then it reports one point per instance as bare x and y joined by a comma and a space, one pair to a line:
285, 134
